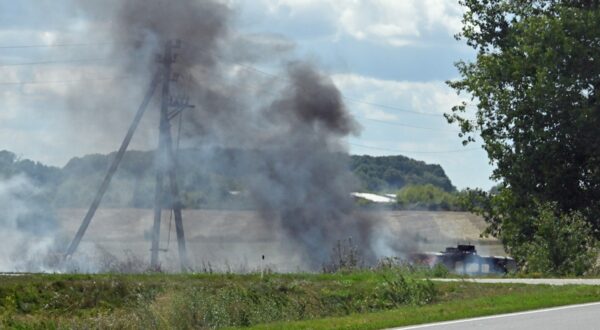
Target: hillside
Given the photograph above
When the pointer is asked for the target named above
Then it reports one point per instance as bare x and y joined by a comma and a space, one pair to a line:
213, 236
206, 179
390, 173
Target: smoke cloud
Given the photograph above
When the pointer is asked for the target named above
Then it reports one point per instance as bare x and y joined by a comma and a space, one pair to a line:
292, 125
29, 228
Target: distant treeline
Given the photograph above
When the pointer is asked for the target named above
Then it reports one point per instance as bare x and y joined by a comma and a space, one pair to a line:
203, 182
390, 173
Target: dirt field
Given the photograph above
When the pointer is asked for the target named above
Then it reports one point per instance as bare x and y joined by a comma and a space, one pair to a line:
236, 240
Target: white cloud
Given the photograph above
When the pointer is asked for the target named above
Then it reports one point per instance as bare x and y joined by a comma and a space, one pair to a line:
424, 97
392, 22
389, 131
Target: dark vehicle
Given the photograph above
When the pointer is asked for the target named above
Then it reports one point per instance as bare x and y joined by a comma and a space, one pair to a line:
463, 259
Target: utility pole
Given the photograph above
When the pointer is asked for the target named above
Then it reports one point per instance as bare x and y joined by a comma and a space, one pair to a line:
165, 163
113, 168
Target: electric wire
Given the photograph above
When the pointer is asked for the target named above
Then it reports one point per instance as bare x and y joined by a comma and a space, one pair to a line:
244, 66
85, 60
383, 106
60, 45
71, 81
350, 99
414, 151
394, 123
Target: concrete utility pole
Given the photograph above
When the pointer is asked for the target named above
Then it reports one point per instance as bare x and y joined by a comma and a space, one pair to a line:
165, 164
113, 168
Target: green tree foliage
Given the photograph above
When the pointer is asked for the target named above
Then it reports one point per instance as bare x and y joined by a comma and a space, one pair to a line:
536, 82
32, 196
427, 197
390, 173
562, 243
11, 165
207, 186
541, 238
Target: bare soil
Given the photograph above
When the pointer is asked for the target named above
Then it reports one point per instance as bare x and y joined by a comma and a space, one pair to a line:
236, 240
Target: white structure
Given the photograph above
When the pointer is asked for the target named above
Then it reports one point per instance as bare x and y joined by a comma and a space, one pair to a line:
374, 198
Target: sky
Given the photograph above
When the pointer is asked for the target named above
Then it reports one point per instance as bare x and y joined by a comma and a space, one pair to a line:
389, 58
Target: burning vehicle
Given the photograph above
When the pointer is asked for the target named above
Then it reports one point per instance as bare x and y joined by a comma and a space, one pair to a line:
463, 259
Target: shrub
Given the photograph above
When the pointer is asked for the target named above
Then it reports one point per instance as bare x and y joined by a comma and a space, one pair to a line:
563, 244
399, 289
235, 304
345, 256
427, 197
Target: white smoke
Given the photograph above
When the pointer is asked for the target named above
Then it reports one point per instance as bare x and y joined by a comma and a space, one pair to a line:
29, 232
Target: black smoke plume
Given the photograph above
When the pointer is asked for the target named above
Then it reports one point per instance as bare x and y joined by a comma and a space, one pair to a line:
292, 125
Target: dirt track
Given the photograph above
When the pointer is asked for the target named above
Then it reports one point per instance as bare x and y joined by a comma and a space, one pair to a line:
236, 239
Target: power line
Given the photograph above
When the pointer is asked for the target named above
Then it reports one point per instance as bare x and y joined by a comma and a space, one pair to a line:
392, 107
376, 120
365, 118
254, 69
57, 45
244, 66
56, 62
415, 152
251, 68
40, 82
406, 125
362, 117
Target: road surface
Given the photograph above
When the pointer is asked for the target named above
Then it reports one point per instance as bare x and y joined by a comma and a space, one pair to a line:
549, 281
579, 317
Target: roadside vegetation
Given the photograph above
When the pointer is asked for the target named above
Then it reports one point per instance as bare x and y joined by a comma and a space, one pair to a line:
460, 301
354, 300
159, 301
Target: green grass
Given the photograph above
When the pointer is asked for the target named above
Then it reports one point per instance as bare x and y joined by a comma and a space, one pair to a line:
197, 301
496, 299
359, 300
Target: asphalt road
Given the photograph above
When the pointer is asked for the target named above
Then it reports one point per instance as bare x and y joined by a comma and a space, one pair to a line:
548, 281
579, 317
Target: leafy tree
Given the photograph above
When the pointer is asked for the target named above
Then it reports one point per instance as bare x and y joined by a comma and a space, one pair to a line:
536, 82
541, 237
562, 243
427, 197
7, 160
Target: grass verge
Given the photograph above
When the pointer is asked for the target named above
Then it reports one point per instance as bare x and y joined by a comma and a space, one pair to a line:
496, 299
359, 300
